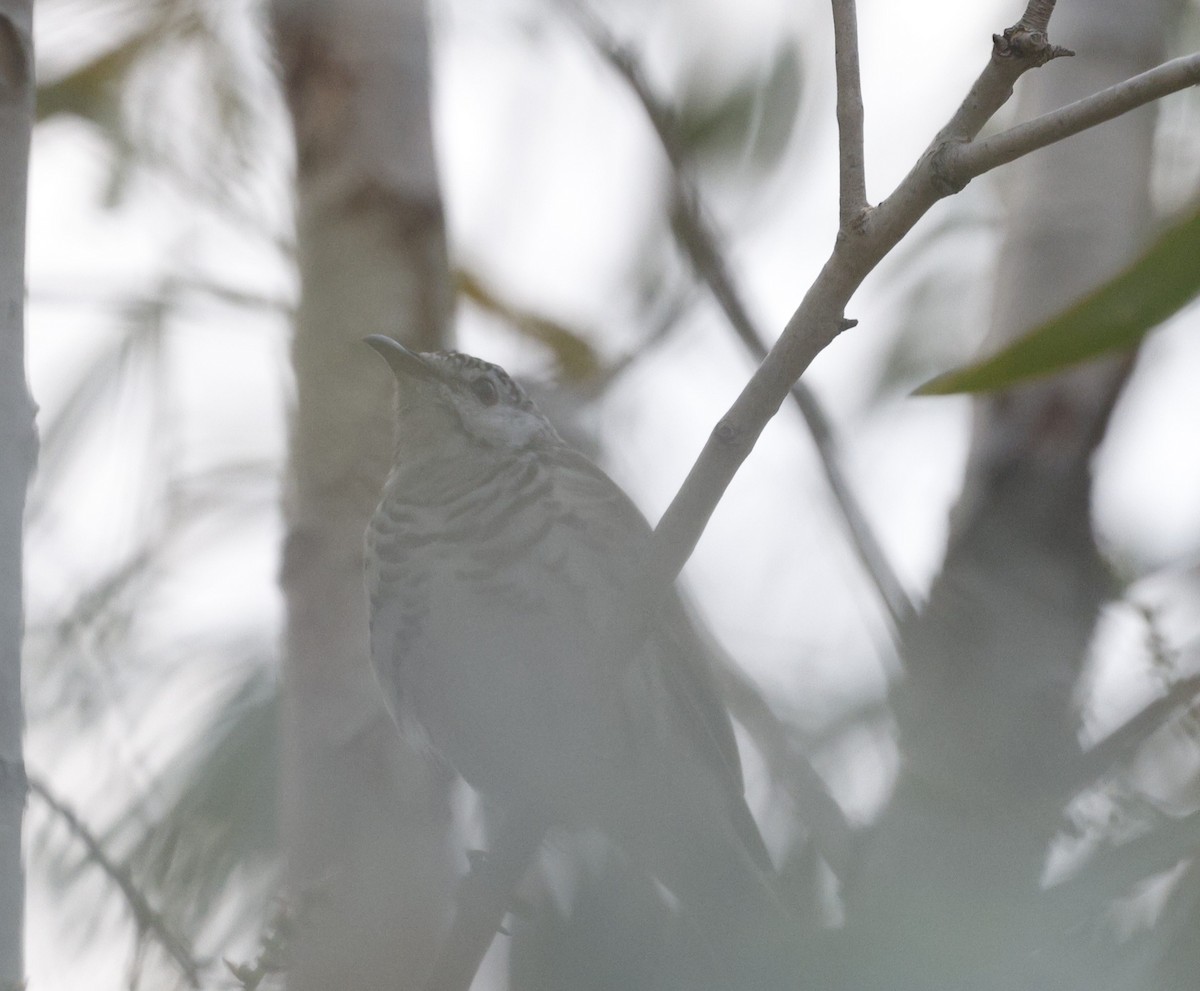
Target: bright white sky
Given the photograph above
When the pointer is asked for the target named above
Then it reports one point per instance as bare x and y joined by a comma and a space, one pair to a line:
549, 171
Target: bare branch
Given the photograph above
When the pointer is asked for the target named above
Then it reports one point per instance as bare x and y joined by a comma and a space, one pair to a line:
1015, 51
145, 916
821, 314
1037, 16
853, 196
700, 243
973, 159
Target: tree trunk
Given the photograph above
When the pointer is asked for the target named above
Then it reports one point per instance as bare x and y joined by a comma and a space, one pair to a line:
365, 818
18, 447
949, 891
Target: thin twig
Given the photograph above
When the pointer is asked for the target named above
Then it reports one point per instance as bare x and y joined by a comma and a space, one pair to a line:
852, 166
700, 243
1015, 51
981, 156
146, 917
1037, 15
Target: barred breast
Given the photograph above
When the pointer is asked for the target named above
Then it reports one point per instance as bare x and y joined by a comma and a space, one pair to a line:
491, 621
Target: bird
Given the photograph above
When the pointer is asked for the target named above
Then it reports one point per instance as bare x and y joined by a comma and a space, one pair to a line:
499, 569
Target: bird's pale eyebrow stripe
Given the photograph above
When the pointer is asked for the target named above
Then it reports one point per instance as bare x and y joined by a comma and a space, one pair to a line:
457, 362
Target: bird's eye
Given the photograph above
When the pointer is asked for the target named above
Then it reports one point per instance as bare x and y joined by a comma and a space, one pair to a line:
485, 391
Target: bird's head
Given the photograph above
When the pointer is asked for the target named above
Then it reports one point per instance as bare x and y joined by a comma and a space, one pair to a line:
446, 392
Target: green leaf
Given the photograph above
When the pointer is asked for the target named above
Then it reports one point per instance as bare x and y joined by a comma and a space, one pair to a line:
1114, 317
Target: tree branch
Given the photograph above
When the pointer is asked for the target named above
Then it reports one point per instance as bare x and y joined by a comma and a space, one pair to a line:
1037, 16
145, 916
820, 316
852, 168
1015, 51
696, 237
972, 160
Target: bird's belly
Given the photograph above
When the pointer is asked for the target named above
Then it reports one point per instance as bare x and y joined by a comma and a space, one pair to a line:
521, 698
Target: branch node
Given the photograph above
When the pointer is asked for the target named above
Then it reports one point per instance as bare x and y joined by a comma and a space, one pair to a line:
944, 171
1020, 42
846, 323
856, 225
727, 432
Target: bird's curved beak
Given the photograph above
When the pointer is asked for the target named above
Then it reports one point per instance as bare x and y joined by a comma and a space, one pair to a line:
403, 362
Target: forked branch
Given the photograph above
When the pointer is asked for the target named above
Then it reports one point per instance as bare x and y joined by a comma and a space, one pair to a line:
819, 317
1007, 146
697, 239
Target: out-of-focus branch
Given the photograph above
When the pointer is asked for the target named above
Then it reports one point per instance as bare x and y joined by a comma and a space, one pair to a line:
147, 919
364, 814
1123, 743
852, 167
789, 767
1111, 872
700, 243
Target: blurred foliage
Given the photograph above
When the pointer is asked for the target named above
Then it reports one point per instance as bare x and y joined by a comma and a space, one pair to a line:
183, 810
92, 90
1114, 317
938, 280
216, 808
747, 123
175, 87
575, 359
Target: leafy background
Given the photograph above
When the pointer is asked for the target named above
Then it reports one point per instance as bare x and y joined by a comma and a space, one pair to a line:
161, 286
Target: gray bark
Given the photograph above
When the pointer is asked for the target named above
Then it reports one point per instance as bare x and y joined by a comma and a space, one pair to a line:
18, 447
365, 819
948, 896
